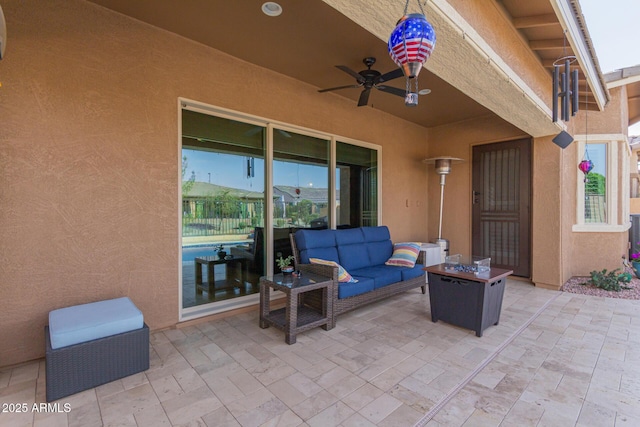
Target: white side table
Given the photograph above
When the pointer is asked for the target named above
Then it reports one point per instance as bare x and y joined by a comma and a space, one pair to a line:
432, 256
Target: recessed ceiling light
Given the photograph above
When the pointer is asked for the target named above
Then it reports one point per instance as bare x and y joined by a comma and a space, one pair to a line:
271, 8
424, 92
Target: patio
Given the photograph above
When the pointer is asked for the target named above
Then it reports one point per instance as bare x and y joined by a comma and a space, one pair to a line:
555, 359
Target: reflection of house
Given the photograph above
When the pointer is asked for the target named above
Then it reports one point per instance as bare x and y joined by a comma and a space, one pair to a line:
202, 194
317, 196
90, 136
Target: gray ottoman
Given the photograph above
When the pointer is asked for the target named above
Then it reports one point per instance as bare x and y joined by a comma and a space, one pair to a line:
92, 344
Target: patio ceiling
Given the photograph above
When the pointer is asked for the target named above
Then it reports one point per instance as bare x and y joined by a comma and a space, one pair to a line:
311, 37
539, 24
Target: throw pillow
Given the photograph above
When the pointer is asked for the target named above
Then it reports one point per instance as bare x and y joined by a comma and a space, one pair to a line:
404, 254
343, 275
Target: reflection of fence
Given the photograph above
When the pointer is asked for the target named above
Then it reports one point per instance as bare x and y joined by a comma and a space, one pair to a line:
595, 208
214, 226
213, 217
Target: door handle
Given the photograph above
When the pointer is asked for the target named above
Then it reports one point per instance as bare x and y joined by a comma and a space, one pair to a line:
474, 196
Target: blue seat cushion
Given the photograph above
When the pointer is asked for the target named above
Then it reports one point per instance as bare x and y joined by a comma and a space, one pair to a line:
411, 272
382, 275
363, 284
86, 322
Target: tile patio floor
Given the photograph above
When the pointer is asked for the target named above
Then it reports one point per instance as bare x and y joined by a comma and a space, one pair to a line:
555, 359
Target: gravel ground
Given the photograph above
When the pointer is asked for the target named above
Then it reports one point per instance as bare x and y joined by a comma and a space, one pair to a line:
574, 285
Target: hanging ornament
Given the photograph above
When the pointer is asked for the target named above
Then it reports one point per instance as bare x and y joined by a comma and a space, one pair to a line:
298, 191
410, 45
586, 166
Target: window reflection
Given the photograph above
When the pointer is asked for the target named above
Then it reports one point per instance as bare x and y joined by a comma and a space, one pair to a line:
595, 185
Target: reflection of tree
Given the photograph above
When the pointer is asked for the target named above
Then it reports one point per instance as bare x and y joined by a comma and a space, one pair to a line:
224, 205
188, 184
302, 213
596, 183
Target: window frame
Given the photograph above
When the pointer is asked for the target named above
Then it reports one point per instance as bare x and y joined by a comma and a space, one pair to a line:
195, 312
617, 185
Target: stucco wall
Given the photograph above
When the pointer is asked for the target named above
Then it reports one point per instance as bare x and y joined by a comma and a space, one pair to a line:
458, 141
586, 251
90, 161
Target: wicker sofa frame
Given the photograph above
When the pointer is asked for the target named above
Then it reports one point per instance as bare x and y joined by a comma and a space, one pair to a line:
343, 305
86, 365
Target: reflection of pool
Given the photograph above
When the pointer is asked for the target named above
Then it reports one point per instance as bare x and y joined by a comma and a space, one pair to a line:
197, 251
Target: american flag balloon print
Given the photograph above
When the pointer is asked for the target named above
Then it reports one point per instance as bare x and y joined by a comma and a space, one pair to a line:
412, 40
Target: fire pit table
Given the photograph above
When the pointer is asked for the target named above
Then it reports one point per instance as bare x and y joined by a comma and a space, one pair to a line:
468, 299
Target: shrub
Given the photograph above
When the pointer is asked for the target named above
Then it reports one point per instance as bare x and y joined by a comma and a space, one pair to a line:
609, 281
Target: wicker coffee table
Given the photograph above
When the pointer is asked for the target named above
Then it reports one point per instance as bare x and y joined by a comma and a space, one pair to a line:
297, 316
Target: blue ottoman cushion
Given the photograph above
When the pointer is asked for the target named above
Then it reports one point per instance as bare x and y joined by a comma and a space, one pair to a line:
86, 322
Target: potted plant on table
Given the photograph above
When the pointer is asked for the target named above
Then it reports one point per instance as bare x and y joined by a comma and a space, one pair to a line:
285, 264
221, 252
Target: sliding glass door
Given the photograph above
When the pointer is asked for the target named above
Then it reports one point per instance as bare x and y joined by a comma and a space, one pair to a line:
222, 205
300, 186
246, 185
356, 185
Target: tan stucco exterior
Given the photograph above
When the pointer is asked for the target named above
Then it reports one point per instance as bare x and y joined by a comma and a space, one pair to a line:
90, 159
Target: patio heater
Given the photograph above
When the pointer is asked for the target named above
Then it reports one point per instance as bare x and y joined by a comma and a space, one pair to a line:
443, 168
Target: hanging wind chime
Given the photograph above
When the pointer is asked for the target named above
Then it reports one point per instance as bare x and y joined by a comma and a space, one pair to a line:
410, 45
565, 86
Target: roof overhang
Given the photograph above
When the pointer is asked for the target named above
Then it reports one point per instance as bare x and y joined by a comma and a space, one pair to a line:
629, 77
572, 20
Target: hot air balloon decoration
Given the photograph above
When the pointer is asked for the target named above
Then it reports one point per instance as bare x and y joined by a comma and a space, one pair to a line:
585, 166
410, 45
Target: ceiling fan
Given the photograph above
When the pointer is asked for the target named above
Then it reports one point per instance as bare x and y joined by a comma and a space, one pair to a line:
369, 79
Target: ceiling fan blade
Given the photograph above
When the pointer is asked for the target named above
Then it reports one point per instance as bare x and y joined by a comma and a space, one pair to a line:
339, 87
364, 97
390, 75
352, 73
392, 90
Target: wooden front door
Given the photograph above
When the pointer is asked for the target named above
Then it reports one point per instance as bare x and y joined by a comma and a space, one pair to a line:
501, 201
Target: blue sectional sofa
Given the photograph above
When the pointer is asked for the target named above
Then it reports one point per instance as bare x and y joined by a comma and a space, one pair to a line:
362, 252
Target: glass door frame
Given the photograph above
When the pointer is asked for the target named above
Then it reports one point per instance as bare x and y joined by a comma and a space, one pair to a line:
190, 313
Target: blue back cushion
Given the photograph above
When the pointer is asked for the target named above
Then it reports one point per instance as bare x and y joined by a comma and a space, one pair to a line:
376, 234
380, 252
316, 244
379, 245
352, 248
349, 236
353, 256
